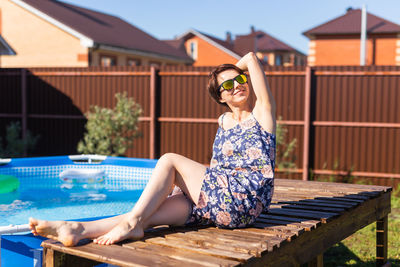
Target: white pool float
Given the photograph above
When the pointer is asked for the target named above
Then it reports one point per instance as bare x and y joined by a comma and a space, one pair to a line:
82, 176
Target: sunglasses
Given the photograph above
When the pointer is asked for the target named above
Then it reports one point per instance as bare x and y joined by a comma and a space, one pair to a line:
228, 85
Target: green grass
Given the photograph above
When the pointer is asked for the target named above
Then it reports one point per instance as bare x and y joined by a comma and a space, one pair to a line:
359, 248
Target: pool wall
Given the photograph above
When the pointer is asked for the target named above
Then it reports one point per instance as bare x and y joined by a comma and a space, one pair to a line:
121, 174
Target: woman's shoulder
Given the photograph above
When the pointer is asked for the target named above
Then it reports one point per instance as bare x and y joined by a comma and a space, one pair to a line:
221, 118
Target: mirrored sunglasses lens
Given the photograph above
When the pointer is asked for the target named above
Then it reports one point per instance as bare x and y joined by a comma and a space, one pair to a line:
241, 79
227, 85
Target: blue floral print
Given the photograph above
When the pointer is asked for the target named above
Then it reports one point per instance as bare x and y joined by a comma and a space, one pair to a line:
239, 183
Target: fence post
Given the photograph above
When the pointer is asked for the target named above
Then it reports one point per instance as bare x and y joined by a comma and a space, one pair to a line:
307, 122
153, 119
24, 107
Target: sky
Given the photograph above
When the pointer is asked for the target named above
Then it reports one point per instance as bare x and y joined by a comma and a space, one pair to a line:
285, 20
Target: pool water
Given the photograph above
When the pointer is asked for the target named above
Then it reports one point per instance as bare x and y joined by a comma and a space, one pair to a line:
44, 195
59, 204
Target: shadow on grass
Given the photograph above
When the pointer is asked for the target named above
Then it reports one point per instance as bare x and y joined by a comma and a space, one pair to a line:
340, 255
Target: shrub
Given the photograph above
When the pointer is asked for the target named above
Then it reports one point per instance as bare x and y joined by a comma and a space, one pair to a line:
111, 131
285, 158
15, 145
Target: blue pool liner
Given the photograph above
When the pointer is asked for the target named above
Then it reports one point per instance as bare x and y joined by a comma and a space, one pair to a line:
24, 249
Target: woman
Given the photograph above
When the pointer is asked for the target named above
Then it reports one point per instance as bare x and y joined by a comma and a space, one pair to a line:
231, 193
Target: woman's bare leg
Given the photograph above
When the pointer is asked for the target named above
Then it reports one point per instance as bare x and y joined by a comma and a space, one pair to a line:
69, 232
173, 211
189, 178
131, 225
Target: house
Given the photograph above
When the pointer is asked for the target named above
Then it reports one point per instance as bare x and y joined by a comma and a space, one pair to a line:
270, 50
207, 50
53, 33
204, 49
337, 42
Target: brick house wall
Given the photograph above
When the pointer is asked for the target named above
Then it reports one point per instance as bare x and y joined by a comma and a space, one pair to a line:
345, 50
38, 43
207, 54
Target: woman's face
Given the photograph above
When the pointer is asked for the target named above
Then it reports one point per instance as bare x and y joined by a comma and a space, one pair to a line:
240, 92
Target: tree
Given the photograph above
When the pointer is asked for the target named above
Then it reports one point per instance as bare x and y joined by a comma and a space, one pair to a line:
111, 131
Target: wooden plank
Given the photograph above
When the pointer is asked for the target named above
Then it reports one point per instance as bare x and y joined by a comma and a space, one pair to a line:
325, 185
271, 240
317, 192
307, 227
308, 207
185, 257
278, 228
322, 216
327, 203
226, 238
305, 221
205, 240
237, 256
315, 203
341, 199
113, 254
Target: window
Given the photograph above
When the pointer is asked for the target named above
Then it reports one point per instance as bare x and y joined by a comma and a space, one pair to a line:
108, 61
192, 49
132, 62
265, 59
278, 60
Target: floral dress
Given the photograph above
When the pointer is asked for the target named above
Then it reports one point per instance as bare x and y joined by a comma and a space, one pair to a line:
239, 183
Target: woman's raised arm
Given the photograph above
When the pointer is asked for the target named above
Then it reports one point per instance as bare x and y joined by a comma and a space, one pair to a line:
265, 108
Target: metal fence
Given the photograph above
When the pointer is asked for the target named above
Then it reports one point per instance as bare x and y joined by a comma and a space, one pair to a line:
346, 119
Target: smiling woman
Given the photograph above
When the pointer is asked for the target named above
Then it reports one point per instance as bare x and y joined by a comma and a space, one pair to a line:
231, 193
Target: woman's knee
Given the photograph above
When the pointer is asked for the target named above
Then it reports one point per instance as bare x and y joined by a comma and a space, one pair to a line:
167, 158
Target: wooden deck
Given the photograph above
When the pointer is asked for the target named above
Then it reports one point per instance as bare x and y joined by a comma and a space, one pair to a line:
306, 218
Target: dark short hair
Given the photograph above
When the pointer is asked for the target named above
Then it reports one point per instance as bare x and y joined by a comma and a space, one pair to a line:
213, 85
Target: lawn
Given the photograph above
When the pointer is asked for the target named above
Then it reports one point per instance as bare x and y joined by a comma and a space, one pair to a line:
359, 248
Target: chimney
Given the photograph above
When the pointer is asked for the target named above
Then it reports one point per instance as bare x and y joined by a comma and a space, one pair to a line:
349, 9
228, 37
252, 29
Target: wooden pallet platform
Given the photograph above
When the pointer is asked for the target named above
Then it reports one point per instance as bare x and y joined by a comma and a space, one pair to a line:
305, 219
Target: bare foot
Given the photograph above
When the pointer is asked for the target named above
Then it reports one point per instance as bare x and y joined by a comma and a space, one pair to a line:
128, 228
68, 233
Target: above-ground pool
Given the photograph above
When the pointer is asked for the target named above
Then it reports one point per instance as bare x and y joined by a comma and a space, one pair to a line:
44, 195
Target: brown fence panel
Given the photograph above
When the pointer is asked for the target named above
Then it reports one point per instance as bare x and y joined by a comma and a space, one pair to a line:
357, 121
354, 120
187, 116
10, 91
58, 98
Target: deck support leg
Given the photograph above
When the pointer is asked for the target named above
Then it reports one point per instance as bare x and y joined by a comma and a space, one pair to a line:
52, 258
381, 241
317, 261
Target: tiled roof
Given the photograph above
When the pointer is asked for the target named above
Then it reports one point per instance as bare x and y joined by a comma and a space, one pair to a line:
105, 29
350, 23
263, 41
176, 43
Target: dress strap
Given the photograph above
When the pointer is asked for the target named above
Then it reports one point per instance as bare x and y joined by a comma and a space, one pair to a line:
222, 120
